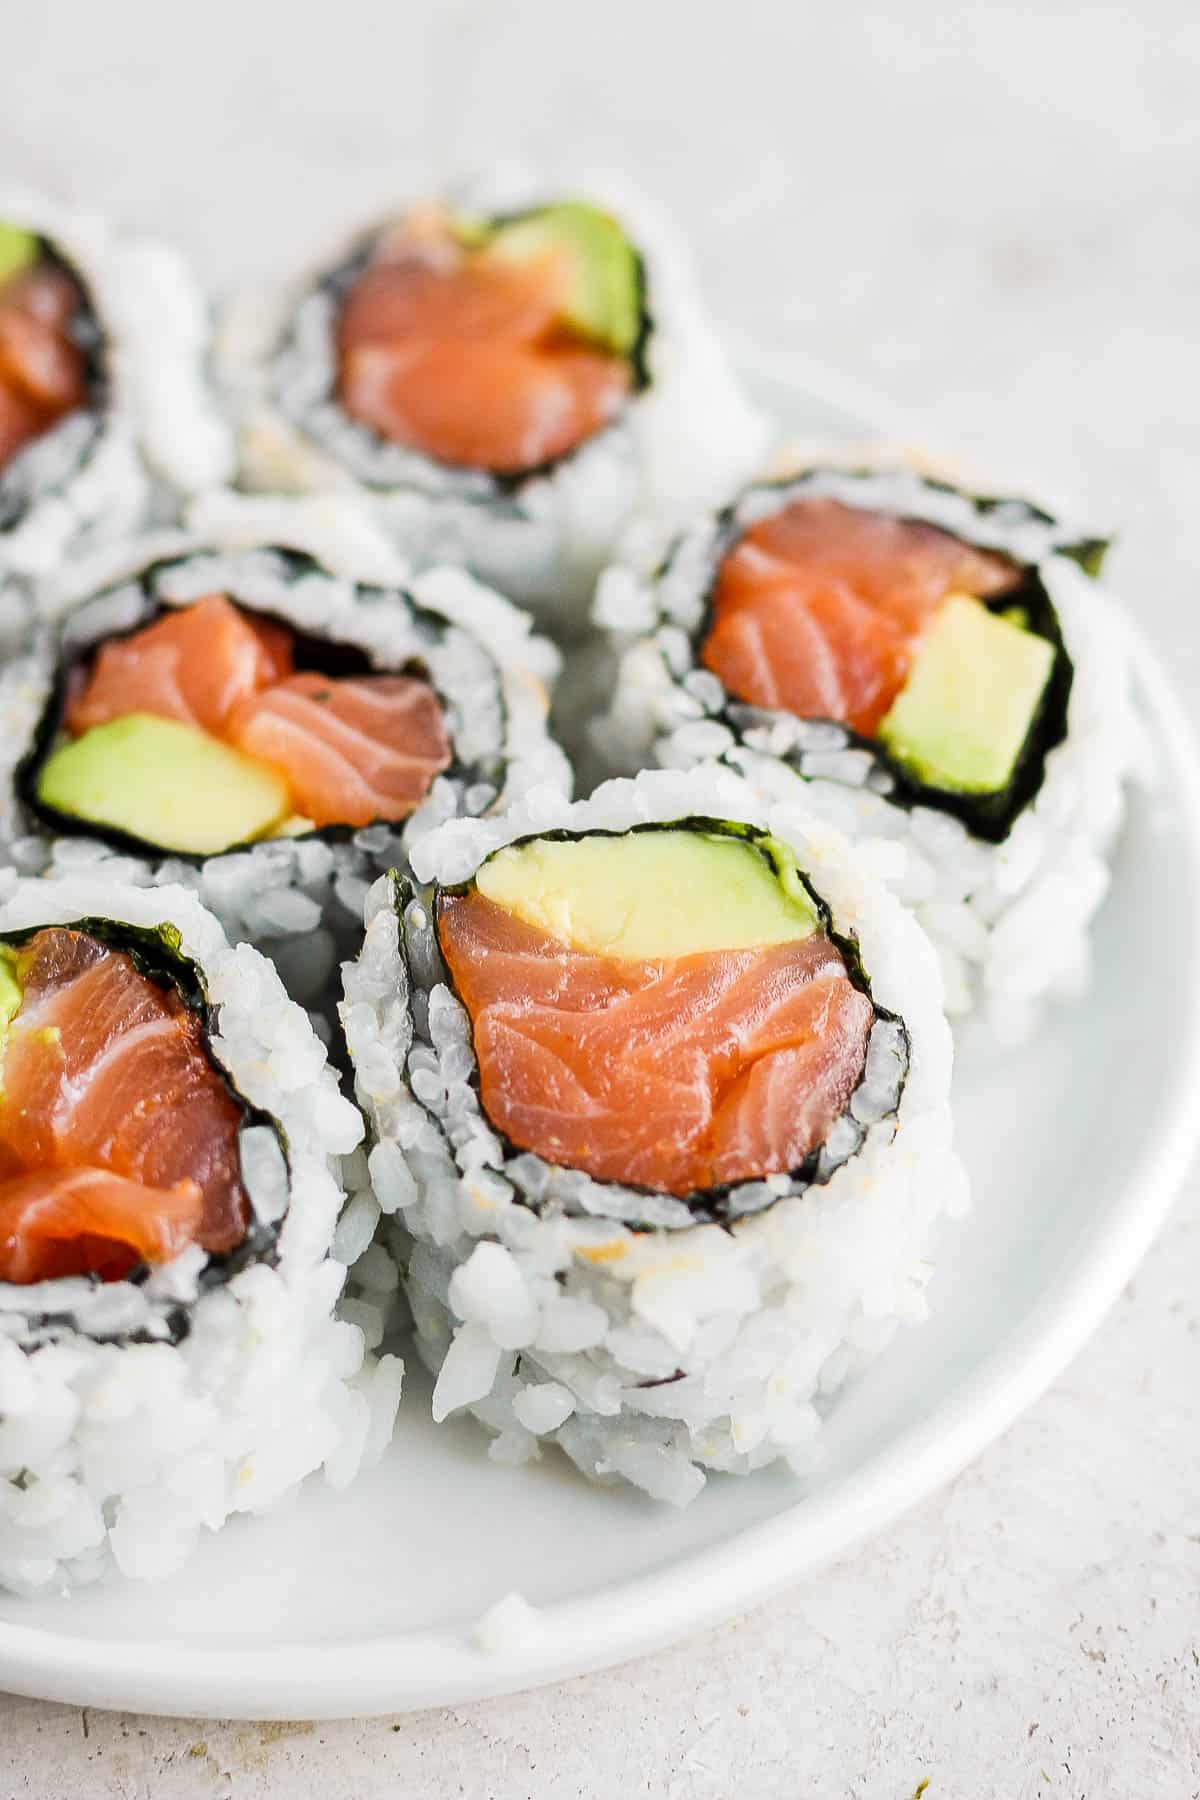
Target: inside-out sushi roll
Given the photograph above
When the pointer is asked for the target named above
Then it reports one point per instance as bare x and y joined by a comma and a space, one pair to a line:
941, 671
103, 401
169, 1143
514, 373
268, 730
658, 1097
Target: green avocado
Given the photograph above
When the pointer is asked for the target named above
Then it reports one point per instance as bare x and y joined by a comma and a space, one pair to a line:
651, 894
961, 720
18, 249
603, 301
167, 783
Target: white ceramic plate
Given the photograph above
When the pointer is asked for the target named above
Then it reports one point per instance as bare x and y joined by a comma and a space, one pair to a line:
364, 1602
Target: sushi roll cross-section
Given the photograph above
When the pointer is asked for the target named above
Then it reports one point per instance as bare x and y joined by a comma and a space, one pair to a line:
515, 376
658, 1107
498, 345
198, 732
171, 1145
941, 672
661, 1008
267, 727
919, 642
118, 1136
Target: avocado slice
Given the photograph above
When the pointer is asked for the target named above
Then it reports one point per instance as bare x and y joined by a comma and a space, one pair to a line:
962, 718
651, 893
18, 250
165, 782
603, 293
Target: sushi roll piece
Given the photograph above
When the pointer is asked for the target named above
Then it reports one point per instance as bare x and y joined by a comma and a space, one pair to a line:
105, 415
944, 676
268, 729
170, 1136
657, 1094
515, 374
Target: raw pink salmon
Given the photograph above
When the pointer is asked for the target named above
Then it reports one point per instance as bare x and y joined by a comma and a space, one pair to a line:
352, 748
818, 608
107, 1089
42, 371
468, 361
676, 1074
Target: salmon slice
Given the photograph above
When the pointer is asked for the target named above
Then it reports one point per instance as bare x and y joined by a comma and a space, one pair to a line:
354, 750
21, 420
43, 375
470, 364
677, 1074
483, 404
817, 610
39, 363
103, 1069
410, 296
56, 1222
193, 665
45, 292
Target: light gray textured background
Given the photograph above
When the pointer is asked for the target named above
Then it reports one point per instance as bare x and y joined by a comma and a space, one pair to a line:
991, 212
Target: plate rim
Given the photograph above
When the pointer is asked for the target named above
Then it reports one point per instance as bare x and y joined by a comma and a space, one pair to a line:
389, 1674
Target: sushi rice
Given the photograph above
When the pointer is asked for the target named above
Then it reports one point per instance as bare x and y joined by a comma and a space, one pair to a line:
684, 441
300, 898
135, 1414
558, 1309
1010, 919
155, 431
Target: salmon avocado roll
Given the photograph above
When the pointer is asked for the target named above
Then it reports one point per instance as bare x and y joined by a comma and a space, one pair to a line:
515, 374
103, 399
497, 345
658, 1096
269, 730
95, 1180
170, 1151
941, 672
